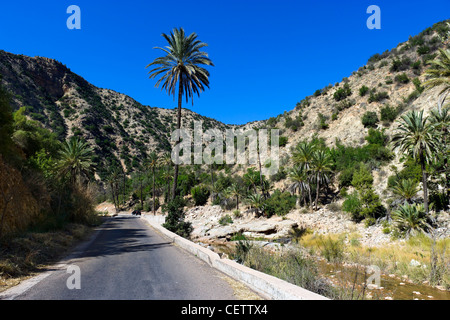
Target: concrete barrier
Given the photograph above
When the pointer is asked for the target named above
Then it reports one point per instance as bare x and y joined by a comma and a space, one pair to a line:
270, 286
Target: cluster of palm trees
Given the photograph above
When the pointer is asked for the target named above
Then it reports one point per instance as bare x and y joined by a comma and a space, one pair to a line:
312, 167
425, 138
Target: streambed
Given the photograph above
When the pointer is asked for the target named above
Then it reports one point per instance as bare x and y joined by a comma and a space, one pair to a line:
342, 275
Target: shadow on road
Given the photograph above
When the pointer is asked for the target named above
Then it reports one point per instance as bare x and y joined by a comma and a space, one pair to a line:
117, 237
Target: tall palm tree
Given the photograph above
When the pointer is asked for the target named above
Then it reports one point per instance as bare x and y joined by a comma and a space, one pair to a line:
298, 176
251, 178
152, 164
75, 160
303, 155
320, 170
183, 66
439, 75
415, 137
166, 161
235, 191
441, 123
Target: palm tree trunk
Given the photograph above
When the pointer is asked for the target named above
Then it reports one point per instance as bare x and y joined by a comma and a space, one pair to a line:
154, 213
309, 195
180, 97
424, 182
237, 202
212, 182
113, 195
317, 192
260, 172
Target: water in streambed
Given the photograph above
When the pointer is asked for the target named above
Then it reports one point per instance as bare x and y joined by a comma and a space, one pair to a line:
391, 288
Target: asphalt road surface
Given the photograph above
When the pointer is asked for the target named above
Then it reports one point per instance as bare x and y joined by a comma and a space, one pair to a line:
130, 260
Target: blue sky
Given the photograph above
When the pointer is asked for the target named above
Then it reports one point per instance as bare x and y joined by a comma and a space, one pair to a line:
268, 54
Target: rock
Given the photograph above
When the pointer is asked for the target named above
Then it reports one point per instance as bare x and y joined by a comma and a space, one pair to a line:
416, 292
388, 298
414, 263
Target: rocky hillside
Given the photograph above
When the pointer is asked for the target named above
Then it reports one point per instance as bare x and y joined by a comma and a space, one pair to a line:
392, 79
121, 130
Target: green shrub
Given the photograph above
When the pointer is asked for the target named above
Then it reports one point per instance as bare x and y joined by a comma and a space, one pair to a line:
353, 205
410, 219
322, 122
342, 93
332, 250
175, 218
363, 90
282, 141
200, 194
376, 137
279, 203
424, 49
401, 78
369, 119
377, 97
226, 219
388, 113
400, 65
418, 85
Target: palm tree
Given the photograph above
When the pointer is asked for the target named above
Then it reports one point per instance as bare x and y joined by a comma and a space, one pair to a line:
441, 123
251, 178
152, 164
75, 160
235, 191
416, 138
182, 66
406, 189
320, 170
411, 218
256, 201
266, 187
300, 182
303, 155
439, 75
166, 160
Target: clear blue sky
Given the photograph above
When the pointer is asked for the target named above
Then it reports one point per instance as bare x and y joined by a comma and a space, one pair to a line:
268, 54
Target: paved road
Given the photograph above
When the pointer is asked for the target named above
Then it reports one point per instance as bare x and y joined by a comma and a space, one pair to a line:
130, 260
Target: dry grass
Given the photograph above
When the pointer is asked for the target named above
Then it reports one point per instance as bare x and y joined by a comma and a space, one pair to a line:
23, 256
394, 258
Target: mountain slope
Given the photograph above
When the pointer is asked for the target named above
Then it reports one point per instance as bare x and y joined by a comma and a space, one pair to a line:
120, 129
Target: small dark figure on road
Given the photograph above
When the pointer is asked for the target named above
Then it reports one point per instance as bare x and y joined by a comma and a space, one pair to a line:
136, 212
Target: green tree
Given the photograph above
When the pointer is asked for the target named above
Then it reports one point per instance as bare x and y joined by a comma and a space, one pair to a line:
439, 75
183, 66
416, 138
235, 191
256, 201
321, 170
298, 176
6, 123
303, 155
152, 165
75, 160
